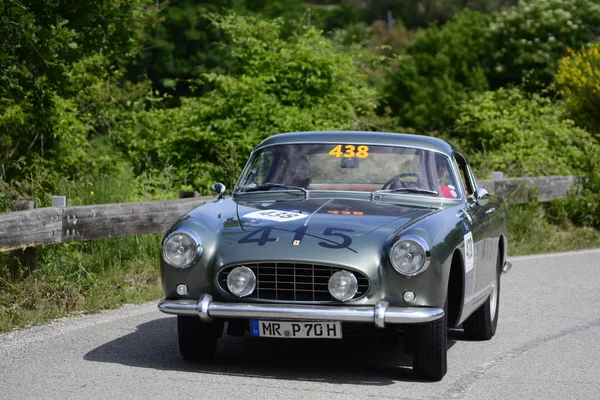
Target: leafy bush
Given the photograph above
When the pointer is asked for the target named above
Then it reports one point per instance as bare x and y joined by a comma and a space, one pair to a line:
522, 134
306, 83
441, 67
56, 66
530, 38
578, 82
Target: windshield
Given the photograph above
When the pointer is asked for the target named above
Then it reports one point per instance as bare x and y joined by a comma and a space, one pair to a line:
349, 167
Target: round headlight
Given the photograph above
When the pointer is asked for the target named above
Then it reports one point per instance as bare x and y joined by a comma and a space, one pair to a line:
343, 285
409, 257
180, 249
241, 281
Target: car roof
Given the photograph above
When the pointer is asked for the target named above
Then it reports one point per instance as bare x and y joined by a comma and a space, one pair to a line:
361, 137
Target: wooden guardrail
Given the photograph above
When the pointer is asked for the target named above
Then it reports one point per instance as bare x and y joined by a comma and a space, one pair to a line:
520, 190
50, 225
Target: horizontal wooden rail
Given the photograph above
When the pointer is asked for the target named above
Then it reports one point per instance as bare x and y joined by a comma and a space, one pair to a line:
519, 190
30, 228
22, 229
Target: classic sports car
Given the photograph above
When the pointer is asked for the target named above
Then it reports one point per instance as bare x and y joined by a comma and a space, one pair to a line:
327, 231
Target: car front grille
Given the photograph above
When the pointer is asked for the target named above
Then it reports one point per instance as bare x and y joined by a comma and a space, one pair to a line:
287, 281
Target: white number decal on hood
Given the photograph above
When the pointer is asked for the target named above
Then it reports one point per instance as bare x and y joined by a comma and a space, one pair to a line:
275, 215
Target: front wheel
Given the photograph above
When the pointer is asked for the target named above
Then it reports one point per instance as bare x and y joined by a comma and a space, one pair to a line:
481, 325
429, 344
197, 339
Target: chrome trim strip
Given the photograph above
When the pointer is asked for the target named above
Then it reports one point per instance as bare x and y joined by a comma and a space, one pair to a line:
380, 309
506, 267
378, 315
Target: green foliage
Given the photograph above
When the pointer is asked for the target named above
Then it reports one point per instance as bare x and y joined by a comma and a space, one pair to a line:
440, 69
578, 82
57, 62
305, 83
522, 134
530, 38
422, 13
184, 45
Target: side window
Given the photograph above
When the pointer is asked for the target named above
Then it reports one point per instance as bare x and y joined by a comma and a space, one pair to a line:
465, 177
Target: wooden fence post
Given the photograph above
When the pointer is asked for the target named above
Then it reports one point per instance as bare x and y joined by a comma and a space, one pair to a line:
26, 256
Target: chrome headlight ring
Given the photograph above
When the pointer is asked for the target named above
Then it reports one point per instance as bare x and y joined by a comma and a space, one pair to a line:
410, 251
194, 250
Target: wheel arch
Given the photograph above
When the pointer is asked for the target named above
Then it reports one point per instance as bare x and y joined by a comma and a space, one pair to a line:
502, 245
456, 289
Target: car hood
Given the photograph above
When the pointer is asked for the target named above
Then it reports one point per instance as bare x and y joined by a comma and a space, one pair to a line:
355, 217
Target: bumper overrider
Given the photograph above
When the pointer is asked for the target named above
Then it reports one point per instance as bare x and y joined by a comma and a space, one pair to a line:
380, 315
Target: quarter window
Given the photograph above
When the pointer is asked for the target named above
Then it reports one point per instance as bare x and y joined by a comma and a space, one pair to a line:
465, 177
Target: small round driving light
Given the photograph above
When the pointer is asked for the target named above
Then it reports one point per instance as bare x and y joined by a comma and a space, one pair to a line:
409, 296
180, 249
182, 289
343, 285
241, 281
409, 257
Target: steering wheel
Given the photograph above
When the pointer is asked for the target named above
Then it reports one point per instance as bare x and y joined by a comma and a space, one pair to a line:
397, 178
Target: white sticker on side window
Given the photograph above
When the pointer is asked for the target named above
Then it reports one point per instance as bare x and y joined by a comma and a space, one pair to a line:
469, 252
275, 215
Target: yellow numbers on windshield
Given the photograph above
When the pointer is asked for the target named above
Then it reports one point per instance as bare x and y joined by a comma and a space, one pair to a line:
350, 151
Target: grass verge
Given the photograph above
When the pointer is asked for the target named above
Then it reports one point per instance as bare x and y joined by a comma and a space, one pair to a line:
531, 232
79, 278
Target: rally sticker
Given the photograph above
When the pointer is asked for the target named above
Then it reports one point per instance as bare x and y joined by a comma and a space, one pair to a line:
275, 215
469, 248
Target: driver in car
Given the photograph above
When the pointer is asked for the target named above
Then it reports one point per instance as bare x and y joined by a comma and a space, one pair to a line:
447, 188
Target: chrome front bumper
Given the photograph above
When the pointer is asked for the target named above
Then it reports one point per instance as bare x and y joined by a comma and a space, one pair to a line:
380, 315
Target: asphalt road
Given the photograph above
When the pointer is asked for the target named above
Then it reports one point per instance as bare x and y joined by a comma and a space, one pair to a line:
547, 347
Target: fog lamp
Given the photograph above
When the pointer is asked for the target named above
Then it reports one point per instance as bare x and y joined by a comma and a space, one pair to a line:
409, 296
241, 281
343, 285
182, 289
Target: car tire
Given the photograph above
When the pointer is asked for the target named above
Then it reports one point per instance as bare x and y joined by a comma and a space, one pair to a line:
481, 325
429, 344
197, 339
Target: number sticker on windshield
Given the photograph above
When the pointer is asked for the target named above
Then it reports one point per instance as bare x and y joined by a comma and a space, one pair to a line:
349, 151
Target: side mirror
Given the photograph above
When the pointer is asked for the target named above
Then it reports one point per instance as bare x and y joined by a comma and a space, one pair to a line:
219, 189
482, 196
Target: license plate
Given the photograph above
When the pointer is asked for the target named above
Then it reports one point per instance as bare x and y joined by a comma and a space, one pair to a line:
296, 330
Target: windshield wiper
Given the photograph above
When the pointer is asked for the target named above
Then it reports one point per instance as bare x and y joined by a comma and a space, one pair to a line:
271, 185
410, 190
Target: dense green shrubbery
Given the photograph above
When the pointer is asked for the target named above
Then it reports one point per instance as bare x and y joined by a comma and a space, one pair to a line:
522, 134
305, 83
441, 67
529, 39
521, 45
578, 82
59, 86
